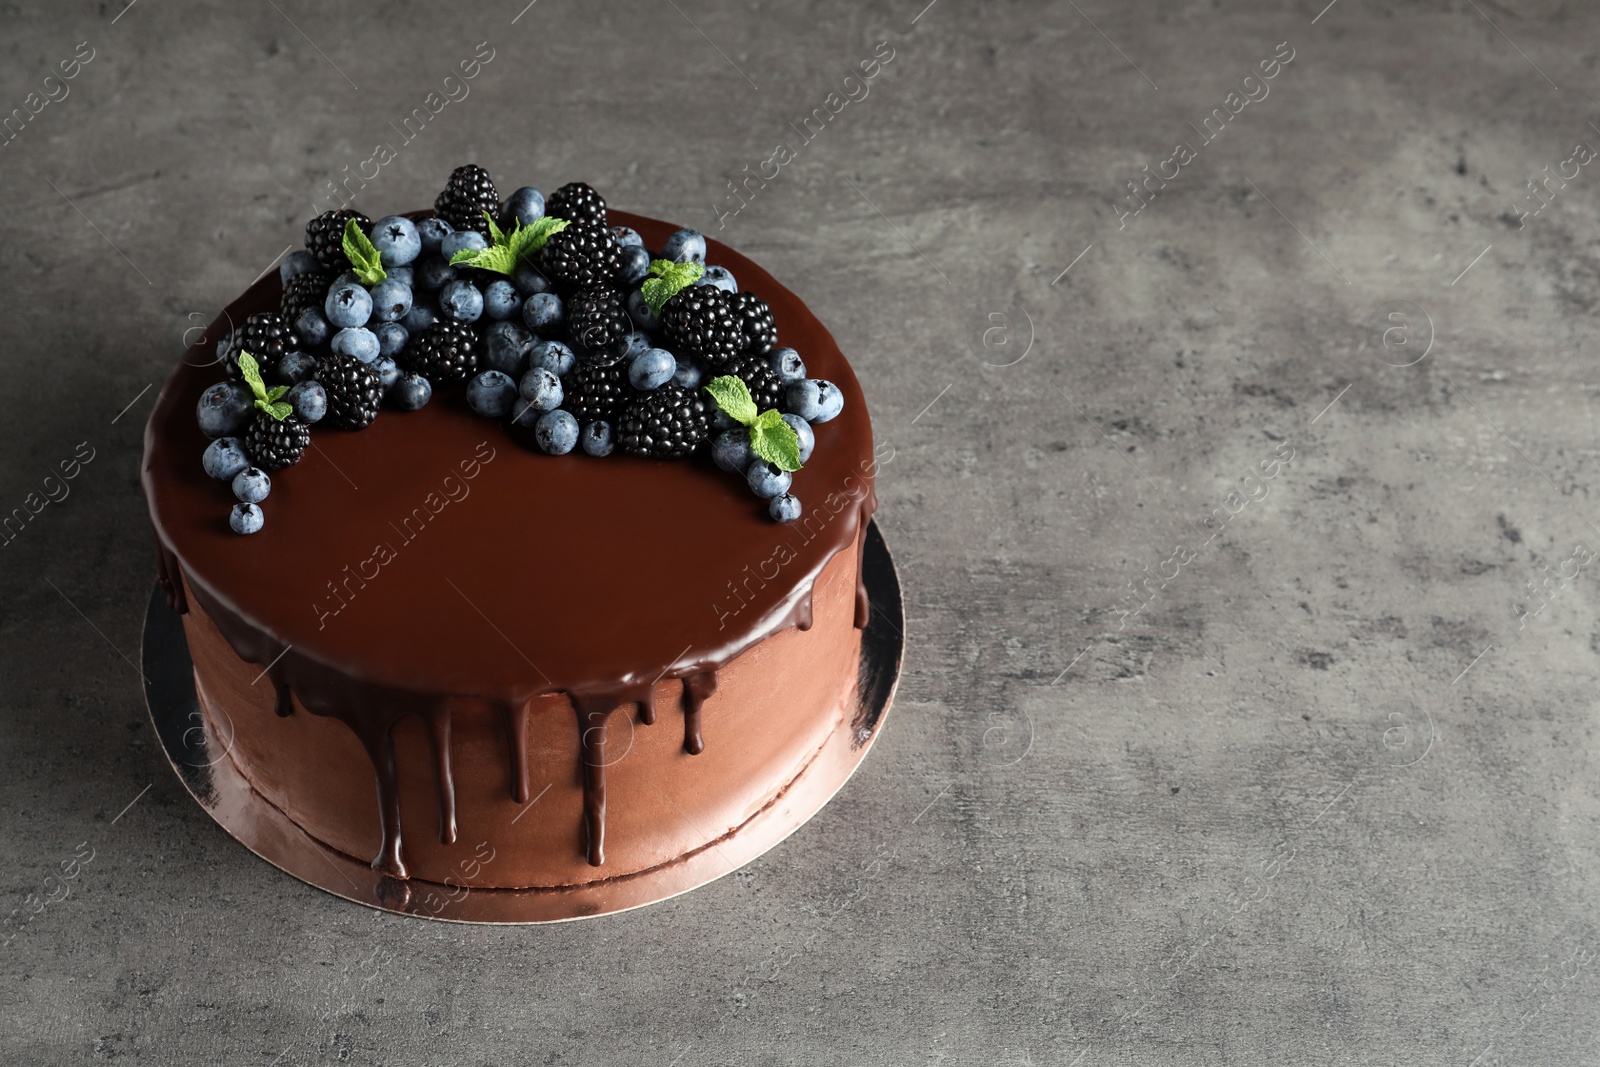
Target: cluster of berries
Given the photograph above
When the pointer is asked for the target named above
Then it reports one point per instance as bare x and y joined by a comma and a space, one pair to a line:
549, 317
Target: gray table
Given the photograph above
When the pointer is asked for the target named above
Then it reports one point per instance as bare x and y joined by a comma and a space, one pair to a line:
1327, 797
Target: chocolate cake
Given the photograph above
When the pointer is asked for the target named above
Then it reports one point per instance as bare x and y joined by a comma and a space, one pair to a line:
479, 664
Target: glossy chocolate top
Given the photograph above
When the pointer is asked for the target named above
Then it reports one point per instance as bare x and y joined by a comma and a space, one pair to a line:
435, 554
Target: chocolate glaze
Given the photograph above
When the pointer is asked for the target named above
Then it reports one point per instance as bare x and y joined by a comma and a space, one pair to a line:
430, 558
284, 699
697, 688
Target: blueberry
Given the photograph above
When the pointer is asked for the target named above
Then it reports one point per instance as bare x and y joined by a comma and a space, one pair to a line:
767, 480
391, 299
392, 338
490, 393
690, 375
251, 485
246, 518
721, 278
431, 232
501, 300
420, 317
396, 239
312, 327
635, 344
309, 400
542, 312
685, 246
786, 363
556, 432
639, 311
505, 348
295, 367
224, 458
389, 373
597, 439
224, 408
405, 275
730, 450
411, 392
541, 389
297, 262
434, 273
526, 205
652, 369
721, 420
528, 280
802, 431
462, 241
635, 265
349, 277
553, 356
814, 399
461, 300
627, 236
361, 343
348, 306
785, 508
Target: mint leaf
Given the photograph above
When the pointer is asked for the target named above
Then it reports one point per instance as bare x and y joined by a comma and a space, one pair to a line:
362, 255
275, 392
528, 241
279, 411
496, 236
667, 281
251, 370
498, 258
733, 397
775, 440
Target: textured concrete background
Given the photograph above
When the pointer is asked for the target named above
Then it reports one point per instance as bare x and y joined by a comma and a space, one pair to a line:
1329, 798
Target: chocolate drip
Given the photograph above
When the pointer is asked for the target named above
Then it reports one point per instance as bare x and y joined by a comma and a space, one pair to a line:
380, 750
647, 707
517, 721
439, 722
170, 577
697, 688
285, 699
592, 715
863, 602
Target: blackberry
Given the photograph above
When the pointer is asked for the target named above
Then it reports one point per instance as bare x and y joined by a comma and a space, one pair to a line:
275, 444
266, 336
468, 195
595, 393
354, 391
766, 388
325, 237
598, 322
581, 255
668, 423
700, 321
445, 353
760, 331
303, 291
577, 202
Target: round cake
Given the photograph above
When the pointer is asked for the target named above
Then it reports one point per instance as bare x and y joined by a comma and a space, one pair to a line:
472, 662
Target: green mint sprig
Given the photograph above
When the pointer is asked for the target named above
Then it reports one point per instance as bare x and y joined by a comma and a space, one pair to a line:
770, 437
363, 257
266, 399
668, 279
505, 250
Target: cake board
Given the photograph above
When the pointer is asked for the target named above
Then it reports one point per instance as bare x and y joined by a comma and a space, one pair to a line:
198, 752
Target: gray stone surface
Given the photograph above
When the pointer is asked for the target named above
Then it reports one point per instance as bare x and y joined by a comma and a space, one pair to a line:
1327, 799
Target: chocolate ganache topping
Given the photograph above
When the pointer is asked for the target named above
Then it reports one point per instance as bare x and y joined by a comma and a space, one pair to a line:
433, 558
